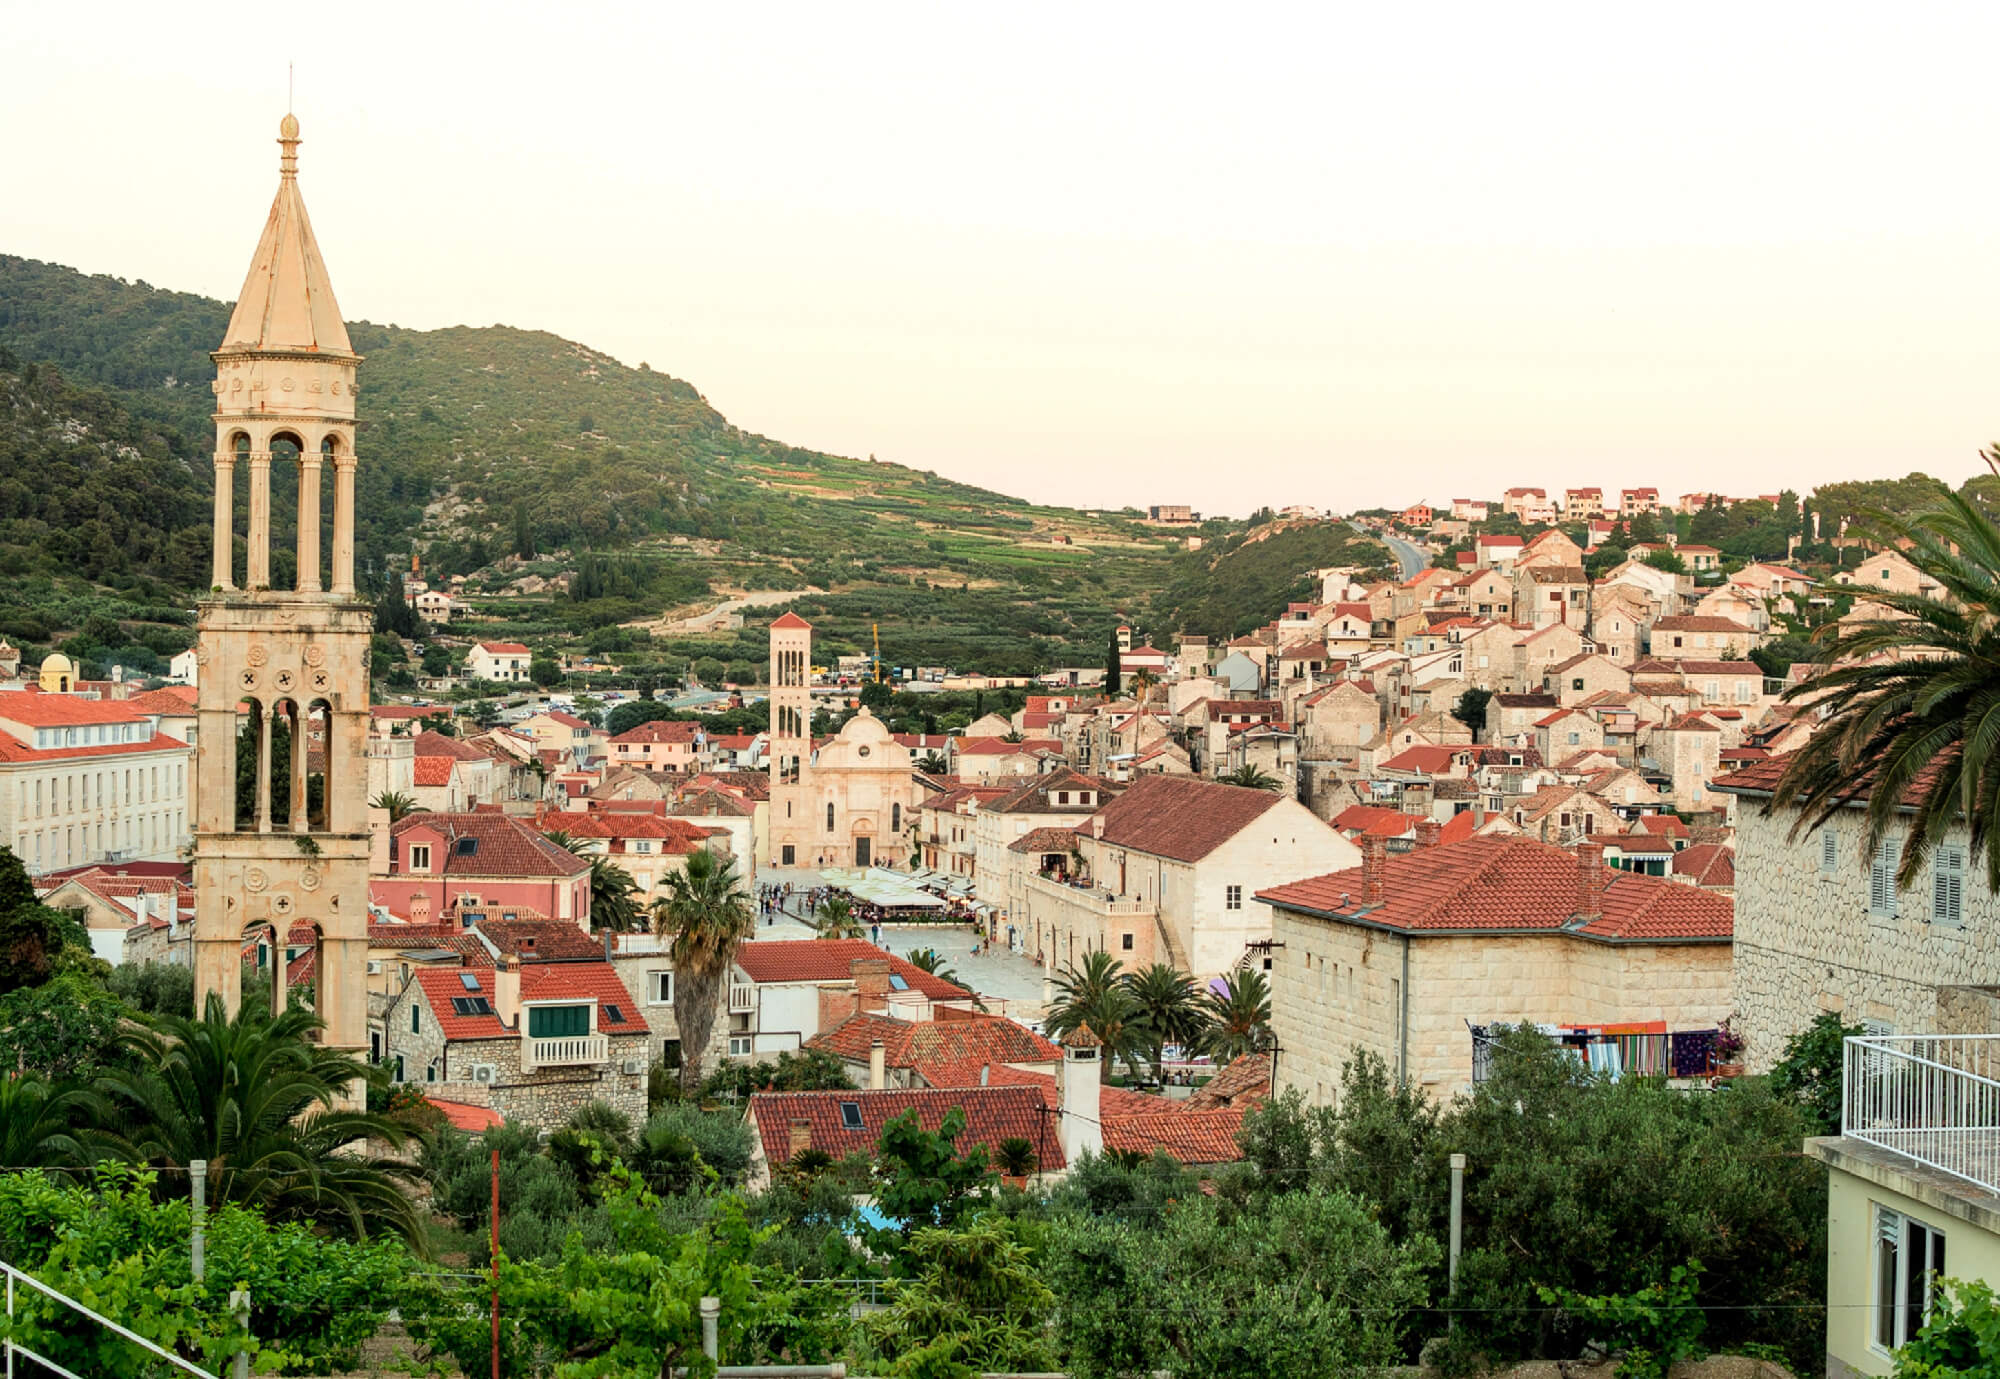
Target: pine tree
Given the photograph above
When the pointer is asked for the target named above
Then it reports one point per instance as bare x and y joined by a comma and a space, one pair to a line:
1111, 667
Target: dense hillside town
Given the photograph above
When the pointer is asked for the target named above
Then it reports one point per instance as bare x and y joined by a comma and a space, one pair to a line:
933, 1017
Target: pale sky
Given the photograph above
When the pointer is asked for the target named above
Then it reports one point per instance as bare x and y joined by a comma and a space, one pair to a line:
1226, 255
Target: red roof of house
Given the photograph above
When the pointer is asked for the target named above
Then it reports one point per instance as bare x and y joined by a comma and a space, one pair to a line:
500, 845
617, 1012
504, 648
1710, 864
1181, 817
1487, 883
1423, 758
64, 710
1699, 622
790, 620
1459, 826
992, 1114
1667, 825
941, 1051
1375, 821
471, 1119
1000, 747
832, 960
169, 702
432, 771
568, 720
659, 730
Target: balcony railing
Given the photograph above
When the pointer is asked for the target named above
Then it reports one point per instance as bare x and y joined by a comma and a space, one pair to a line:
1091, 898
567, 1052
742, 997
1932, 1098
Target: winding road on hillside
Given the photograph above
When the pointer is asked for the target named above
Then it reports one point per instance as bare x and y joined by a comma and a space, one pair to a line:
1411, 558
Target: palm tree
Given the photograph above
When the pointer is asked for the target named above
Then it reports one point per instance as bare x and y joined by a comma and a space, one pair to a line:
614, 897
836, 918
1910, 705
567, 841
40, 1122
707, 915
256, 1097
1143, 682
1251, 778
1012, 735
1239, 1016
1168, 1006
399, 805
1095, 997
933, 764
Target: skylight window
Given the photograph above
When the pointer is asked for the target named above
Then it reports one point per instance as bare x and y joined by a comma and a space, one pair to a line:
468, 981
850, 1115
614, 1015
896, 982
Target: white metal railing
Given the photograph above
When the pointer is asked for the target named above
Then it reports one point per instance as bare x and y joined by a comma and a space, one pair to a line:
566, 1051
1933, 1098
17, 1280
742, 997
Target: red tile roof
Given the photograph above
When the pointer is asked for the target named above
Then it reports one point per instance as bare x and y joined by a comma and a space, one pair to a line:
64, 710
502, 845
1045, 840
659, 730
1245, 1082
938, 1049
1423, 758
789, 621
992, 1114
1710, 864
1668, 825
431, 743
471, 1119
1719, 668
537, 940
431, 771
1181, 817
832, 960
1487, 883
1698, 622
1373, 820
173, 701
504, 648
1000, 747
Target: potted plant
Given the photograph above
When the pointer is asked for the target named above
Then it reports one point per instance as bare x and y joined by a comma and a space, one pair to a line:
1726, 1058
1016, 1159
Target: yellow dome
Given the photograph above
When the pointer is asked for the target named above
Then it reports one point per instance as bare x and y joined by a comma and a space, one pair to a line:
58, 663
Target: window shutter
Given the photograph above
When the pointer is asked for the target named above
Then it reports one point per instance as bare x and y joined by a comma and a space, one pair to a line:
1882, 879
1947, 885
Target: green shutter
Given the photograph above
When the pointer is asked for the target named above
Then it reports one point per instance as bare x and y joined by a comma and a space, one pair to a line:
558, 1022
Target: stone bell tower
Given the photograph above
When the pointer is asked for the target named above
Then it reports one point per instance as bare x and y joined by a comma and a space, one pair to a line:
284, 662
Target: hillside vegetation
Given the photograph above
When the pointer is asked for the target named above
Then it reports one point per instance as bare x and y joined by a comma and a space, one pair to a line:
495, 453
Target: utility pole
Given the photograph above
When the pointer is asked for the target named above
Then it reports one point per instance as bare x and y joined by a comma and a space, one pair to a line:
1457, 1219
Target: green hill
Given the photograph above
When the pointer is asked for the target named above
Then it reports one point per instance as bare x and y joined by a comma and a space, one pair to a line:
478, 443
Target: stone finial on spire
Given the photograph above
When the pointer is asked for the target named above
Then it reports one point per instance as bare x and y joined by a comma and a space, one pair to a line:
288, 139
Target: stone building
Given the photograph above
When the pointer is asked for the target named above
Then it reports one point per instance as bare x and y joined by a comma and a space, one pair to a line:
478, 861
1400, 955
285, 390
536, 1041
1822, 926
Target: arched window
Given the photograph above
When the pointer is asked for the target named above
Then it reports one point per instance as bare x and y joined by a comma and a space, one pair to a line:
829, 816
896, 818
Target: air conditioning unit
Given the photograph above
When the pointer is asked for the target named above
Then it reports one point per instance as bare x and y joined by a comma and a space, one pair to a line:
482, 1072
632, 1067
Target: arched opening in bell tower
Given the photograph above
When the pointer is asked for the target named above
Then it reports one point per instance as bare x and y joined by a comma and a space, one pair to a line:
286, 449
319, 767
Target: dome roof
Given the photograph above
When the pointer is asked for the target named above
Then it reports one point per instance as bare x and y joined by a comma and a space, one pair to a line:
59, 663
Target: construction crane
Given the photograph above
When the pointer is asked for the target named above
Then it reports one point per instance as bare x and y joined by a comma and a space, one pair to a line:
877, 628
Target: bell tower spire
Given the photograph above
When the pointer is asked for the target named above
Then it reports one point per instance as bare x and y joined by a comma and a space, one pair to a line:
287, 856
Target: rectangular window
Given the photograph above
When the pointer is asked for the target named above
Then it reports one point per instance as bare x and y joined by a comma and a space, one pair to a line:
1232, 898
662, 988
1125, 942
1948, 885
420, 857
1882, 880
739, 1046
558, 1022
416, 1019
1909, 1256
1829, 852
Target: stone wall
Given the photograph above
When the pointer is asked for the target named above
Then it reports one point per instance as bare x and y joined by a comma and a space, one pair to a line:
1336, 989
1805, 942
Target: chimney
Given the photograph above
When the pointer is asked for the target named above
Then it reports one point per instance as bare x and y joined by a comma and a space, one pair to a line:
1591, 880
507, 991
802, 1137
378, 841
1078, 1129
1374, 858
1427, 832
420, 908
878, 1066
608, 954
871, 983
1097, 825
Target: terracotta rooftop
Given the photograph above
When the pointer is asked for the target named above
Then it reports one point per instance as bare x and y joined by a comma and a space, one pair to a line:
504, 648
1181, 817
1373, 820
939, 1050
1710, 864
788, 621
489, 843
33, 710
1698, 622
992, 1114
1513, 884
832, 960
